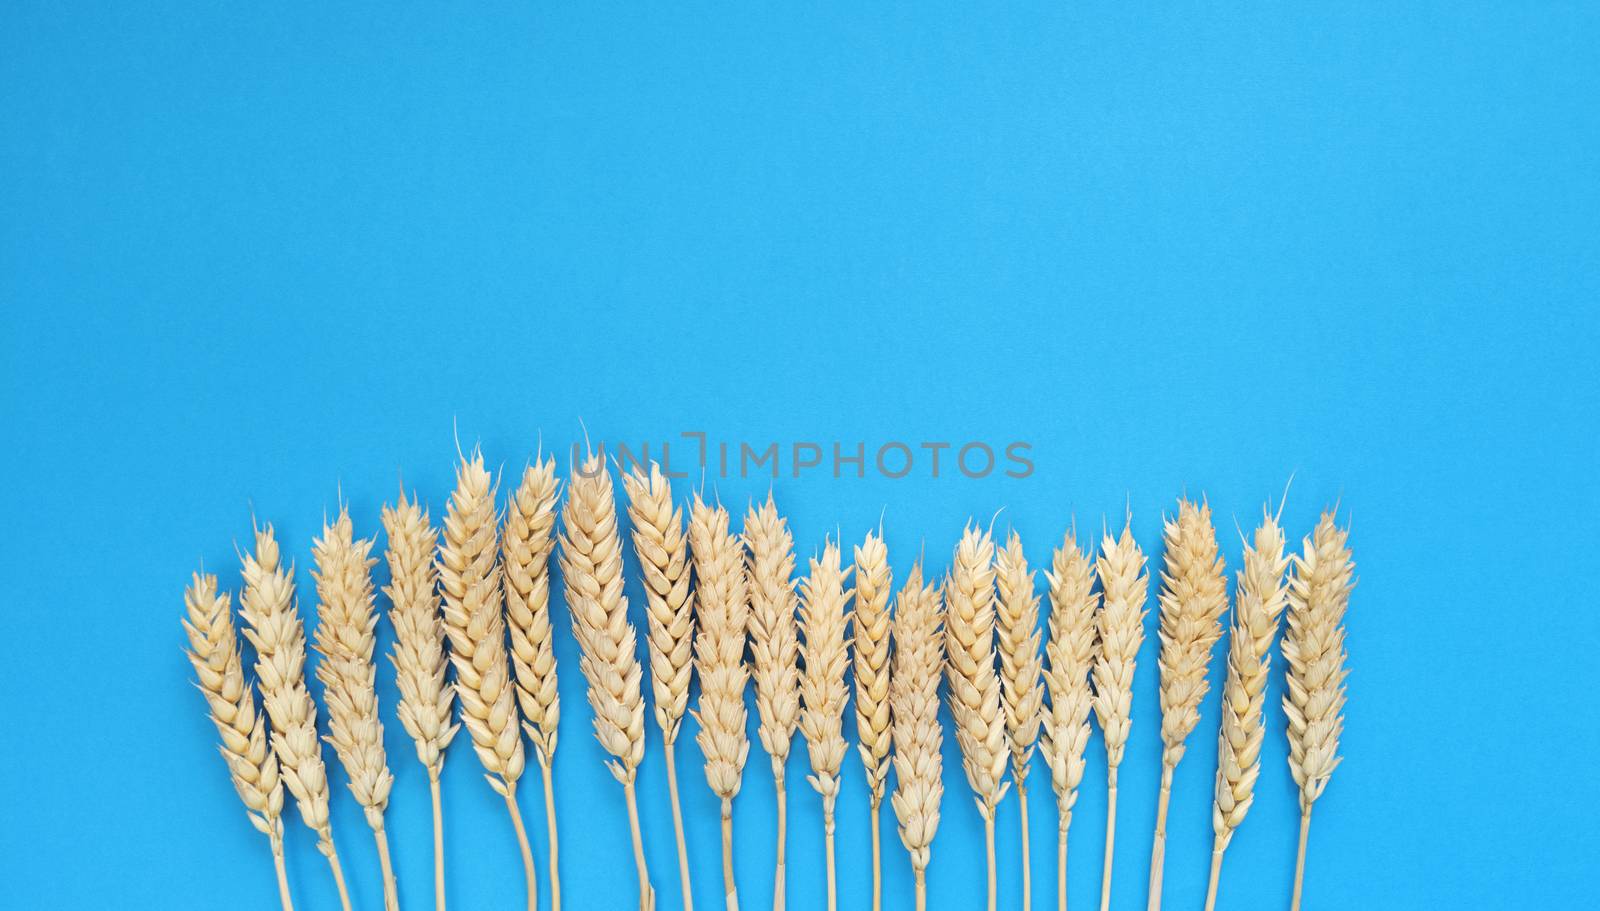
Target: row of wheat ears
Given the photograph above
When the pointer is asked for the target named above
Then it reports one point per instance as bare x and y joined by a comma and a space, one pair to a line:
479, 601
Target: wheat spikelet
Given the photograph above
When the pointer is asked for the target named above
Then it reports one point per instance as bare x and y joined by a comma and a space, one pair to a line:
1120, 626
774, 652
871, 666
1260, 597
591, 568
1021, 675
724, 613
214, 652
526, 542
346, 635
1071, 650
474, 621
1313, 647
975, 702
663, 551
918, 738
825, 655
274, 629
1194, 596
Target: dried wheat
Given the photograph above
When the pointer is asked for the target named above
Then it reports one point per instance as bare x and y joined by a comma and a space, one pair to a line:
724, 613
427, 701
1313, 647
214, 652
824, 653
474, 621
1071, 650
774, 651
918, 738
1259, 599
1021, 675
1120, 625
274, 629
975, 702
591, 568
346, 635
871, 666
1194, 596
526, 543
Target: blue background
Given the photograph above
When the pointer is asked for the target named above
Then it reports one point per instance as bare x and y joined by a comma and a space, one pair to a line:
248, 257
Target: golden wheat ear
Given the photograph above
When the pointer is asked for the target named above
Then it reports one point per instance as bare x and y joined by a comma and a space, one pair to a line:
918, 738
1120, 624
1071, 650
824, 653
871, 623
1021, 676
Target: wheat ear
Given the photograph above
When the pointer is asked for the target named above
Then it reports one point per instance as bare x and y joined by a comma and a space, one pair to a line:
871, 666
474, 621
774, 650
347, 624
975, 701
427, 701
273, 628
526, 544
591, 567
1313, 647
1120, 625
824, 654
214, 652
1259, 600
1021, 675
719, 644
914, 706
1071, 650
1194, 596
663, 551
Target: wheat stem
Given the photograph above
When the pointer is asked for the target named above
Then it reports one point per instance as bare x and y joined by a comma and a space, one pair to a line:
827, 839
1111, 839
647, 893
438, 841
778, 877
1158, 848
1061, 860
391, 898
877, 857
522, 846
1300, 858
338, 881
730, 891
282, 873
1216, 874
921, 876
677, 825
550, 826
988, 855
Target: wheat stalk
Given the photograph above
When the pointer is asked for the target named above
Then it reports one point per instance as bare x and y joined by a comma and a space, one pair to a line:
663, 551
1021, 675
1260, 597
346, 635
474, 621
274, 629
1071, 650
975, 701
591, 568
427, 701
1313, 647
214, 652
824, 653
871, 623
1120, 626
918, 738
774, 650
1194, 596
526, 543
723, 616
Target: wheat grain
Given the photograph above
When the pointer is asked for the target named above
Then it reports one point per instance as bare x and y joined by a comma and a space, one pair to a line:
1071, 650
918, 738
1313, 647
1120, 626
824, 653
346, 635
474, 621
774, 651
1194, 596
1021, 675
663, 551
214, 652
591, 568
427, 701
526, 542
1259, 600
274, 629
724, 613
871, 666
975, 701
